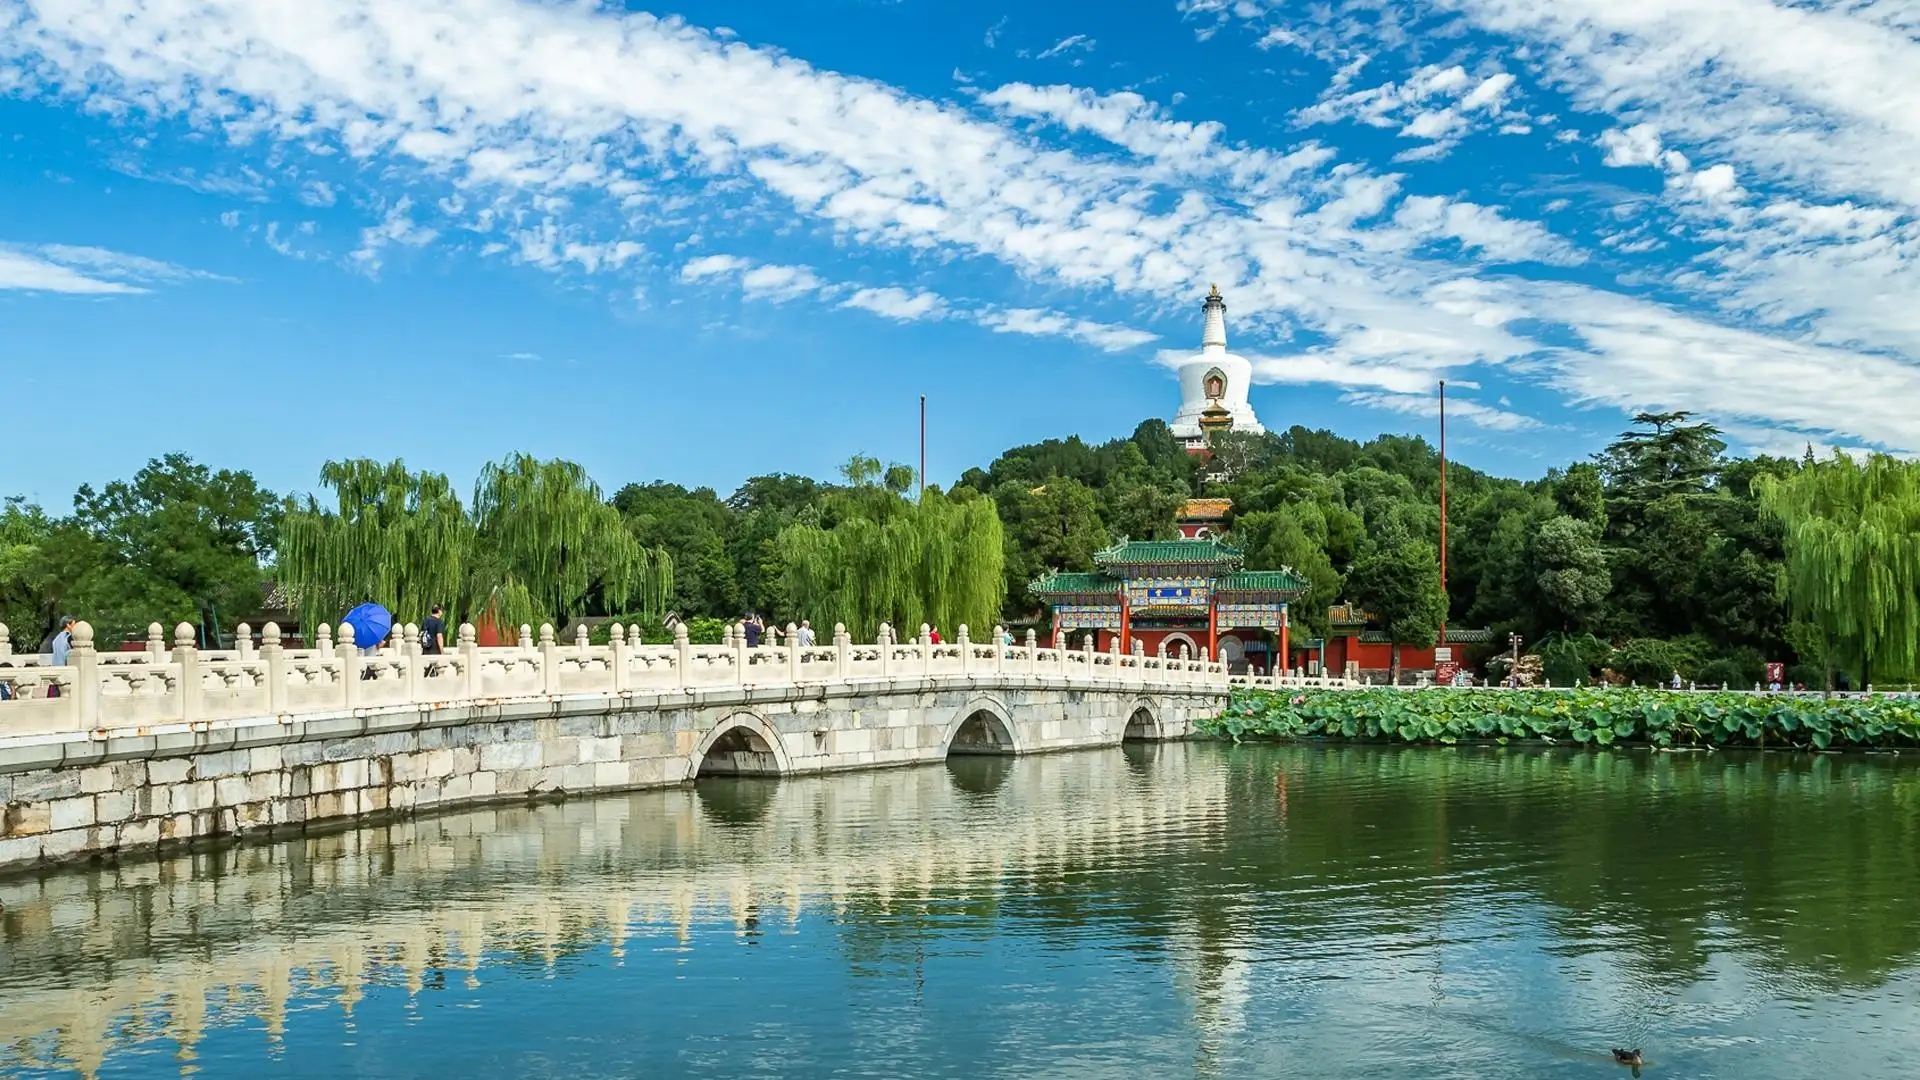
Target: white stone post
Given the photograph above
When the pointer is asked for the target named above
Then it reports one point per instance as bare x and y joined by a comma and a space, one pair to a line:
187, 658
156, 643
1033, 653
740, 655
842, 645
793, 654
323, 641
926, 650
1139, 660
999, 649
470, 659
1060, 652
349, 654
86, 677
6, 640
549, 661
410, 657
886, 650
243, 641
1086, 652
617, 645
1113, 654
966, 650
682, 656
275, 657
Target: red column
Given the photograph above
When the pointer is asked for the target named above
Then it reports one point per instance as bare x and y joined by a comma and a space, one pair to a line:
1286, 657
1126, 623
1213, 629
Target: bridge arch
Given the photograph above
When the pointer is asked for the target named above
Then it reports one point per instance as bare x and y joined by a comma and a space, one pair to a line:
741, 744
984, 725
1143, 721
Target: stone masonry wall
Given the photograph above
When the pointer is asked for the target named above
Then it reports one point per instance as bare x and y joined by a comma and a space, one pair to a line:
79, 797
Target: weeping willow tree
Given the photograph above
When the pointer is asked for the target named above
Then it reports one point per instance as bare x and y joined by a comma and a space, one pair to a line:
537, 544
398, 538
548, 547
1853, 554
888, 560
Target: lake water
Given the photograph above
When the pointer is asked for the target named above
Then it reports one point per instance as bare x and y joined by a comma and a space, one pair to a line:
1184, 910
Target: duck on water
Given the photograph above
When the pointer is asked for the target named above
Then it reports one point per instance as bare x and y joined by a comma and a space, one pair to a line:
1630, 1058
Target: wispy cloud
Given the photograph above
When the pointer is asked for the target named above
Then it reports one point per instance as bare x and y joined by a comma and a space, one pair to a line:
65, 268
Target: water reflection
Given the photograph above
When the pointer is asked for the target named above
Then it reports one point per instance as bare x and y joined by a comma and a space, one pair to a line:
1150, 910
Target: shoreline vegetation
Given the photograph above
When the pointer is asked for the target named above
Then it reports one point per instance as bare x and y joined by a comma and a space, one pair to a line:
1663, 719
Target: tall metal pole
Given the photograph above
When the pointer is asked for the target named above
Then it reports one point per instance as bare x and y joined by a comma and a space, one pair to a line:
923, 448
1443, 512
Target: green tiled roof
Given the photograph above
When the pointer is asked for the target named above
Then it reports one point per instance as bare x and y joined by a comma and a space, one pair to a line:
1071, 584
1168, 553
1265, 581
1454, 636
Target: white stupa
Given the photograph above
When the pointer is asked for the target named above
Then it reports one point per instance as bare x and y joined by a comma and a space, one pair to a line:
1214, 377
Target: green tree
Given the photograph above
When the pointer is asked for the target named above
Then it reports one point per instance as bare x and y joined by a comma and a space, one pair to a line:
1294, 537
179, 542
1853, 554
1573, 579
1052, 527
1396, 581
547, 546
691, 526
938, 561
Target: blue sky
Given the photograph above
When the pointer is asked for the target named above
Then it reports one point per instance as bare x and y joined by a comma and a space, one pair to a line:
716, 239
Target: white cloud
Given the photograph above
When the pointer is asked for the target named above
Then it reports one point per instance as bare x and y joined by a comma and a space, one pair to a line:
1428, 405
395, 227
896, 303
563, 129
1073, 43
708, 266
1038, 323
67, 268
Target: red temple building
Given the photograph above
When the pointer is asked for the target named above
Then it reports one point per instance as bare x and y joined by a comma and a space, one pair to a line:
1188, 594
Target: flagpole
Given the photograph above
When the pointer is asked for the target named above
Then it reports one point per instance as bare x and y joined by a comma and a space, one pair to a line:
923, 448
1443, 512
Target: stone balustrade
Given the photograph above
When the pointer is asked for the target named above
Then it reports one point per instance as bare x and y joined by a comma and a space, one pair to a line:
182, 684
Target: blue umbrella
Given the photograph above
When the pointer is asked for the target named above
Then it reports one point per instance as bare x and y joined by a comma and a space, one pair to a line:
371, 623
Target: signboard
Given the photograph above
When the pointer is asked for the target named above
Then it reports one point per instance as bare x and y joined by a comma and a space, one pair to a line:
1776, 673
1443, 654
1088, 617
1167, 593
1444, 673
1251, 617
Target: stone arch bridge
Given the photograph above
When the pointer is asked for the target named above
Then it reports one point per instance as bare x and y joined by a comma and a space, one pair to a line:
173, 745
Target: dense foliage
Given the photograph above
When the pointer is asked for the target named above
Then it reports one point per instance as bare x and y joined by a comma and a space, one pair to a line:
1599, 717
1660, 555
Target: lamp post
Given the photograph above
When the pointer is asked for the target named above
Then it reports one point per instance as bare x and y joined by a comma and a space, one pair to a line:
1513, 668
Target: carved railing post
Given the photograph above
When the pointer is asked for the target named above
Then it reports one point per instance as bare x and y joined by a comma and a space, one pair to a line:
622, 657
410, 656
682, 656
1033, 652
526, 638
323, 641
470, 660
549, 661
1000, 642
86, 677
884, 640
349, 652
965, 642
842, 645
1060, 653
6, 641
187, 658
275, 657
1113, 654
793, 653
156, 643
243, 641
1086, 654
1139, 660
926, 650
740, 655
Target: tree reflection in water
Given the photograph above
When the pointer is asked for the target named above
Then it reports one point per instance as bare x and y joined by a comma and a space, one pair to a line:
1541, 905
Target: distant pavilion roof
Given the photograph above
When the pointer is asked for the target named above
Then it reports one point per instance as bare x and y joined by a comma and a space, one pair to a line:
1207, 553
1075, 584
1264, 581
1205, 509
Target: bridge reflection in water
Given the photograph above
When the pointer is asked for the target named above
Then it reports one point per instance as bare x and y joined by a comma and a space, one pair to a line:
1224, 911
163, 950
